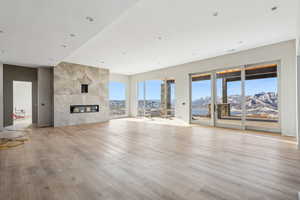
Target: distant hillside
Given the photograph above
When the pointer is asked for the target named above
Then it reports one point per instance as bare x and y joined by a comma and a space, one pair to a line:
258, 104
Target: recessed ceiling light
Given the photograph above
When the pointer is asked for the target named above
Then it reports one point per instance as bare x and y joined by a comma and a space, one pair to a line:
64, 46
274, 8
231, 50
215, 14
90, 19
72, 35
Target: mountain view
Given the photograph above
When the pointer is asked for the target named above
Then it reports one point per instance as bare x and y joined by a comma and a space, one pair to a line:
261, 105
117, 107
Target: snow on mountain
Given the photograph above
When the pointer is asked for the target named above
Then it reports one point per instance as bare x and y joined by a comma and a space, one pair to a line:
264, 103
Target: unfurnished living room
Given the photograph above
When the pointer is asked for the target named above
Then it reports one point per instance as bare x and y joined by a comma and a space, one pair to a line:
149, 99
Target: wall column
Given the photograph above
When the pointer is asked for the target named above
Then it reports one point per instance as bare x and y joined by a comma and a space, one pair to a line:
298, 100
1, 96
224, 90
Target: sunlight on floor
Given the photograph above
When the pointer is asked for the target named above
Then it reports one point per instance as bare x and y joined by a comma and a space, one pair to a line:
178, 122
158, 120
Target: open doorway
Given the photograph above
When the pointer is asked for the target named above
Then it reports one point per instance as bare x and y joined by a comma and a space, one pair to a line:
22, 104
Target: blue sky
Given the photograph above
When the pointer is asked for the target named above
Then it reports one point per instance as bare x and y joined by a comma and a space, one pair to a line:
117, 91
203, 88
153, 89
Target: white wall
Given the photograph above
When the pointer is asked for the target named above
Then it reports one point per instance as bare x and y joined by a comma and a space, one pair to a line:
1, 96
298, 99
126, 80
298, 28
285, 52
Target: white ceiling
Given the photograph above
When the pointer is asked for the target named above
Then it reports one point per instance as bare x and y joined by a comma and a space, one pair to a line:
161, 33
35, 31
133, 36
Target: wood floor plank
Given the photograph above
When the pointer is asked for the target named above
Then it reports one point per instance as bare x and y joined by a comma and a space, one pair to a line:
135, 160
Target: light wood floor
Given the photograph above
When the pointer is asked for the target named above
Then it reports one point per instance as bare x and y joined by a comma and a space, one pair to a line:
130, 160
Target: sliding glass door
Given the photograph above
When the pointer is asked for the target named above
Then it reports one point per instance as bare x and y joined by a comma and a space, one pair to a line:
244, 97
228, 102
261, 93
201, 99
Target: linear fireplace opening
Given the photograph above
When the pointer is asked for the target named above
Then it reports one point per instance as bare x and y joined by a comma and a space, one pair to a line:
84, 108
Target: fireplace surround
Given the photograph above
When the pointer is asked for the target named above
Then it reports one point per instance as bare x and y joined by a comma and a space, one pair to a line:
79, 91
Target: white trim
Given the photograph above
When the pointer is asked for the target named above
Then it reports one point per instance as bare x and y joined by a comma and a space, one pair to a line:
213, 99
243, 83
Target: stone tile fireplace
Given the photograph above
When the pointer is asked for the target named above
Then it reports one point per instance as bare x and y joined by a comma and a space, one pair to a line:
80, 94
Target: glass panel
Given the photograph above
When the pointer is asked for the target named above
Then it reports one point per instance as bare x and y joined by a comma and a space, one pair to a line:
201, 98
172, 102
117, 99
229, 97
261, 96
153, 97
141, 98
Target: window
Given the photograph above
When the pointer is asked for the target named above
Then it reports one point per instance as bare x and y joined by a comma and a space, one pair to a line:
153, 96
117, 99
156, 98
